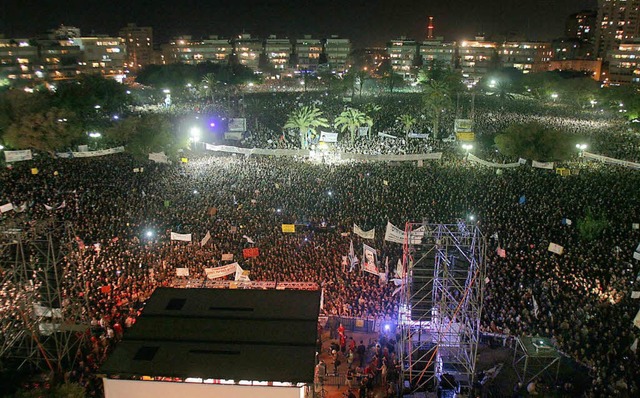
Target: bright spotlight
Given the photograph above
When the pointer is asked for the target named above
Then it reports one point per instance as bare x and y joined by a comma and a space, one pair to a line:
195, 133
212, 124
149, 234
195, 191
330, 193
387, 327
472, 217
279, 210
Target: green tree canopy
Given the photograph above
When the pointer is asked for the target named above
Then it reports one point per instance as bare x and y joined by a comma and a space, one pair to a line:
48, 131
145, 134
436, 99
535, 141
350, 119
305, 118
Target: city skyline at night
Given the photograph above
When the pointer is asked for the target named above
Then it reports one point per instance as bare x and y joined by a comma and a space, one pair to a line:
365, 23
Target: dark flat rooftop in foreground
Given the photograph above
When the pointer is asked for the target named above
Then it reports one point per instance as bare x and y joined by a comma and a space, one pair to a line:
262, 335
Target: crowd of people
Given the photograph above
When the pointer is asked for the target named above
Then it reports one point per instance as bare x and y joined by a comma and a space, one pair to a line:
123, 219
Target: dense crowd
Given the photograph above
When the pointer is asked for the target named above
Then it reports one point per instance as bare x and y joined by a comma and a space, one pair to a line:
123, 219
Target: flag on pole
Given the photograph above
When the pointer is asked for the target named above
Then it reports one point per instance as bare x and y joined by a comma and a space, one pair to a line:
322, 299
535, 307
249, 240
399, 269
386, 266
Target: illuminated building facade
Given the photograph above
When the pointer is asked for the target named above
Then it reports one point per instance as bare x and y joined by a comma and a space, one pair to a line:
477, 57
618, 22
581, 25
337, 51
525, 56
307, 53
247, 50
624, 63
139, 43
277, 52
18, 59
438, 51
403, 56
102, 54
184, 49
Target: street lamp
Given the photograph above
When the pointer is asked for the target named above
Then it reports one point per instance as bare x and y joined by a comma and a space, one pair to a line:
554, 96
581, 147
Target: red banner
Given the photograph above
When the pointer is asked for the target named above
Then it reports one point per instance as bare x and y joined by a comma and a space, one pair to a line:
250, 252
105, 289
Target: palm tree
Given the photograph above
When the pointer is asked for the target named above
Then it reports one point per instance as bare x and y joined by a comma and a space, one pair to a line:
209, 82
350, 119
436, 100
407, 122
305, 118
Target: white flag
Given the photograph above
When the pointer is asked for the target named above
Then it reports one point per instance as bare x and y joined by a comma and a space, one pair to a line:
20, 208
181, 237
322, 299
227, 257
555, 248
6, 208
182, 271
535, 307
399, 269
62, 205
635, 226
636, 320
634, 346
364, 234
249, 240
206, 239
635, 295
48, 207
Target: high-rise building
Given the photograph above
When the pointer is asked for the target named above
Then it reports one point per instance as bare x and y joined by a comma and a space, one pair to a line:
59, 59
139, 43
624, 63
278, 52
337, 51
307, 53
403, 56
618, 22
581, 25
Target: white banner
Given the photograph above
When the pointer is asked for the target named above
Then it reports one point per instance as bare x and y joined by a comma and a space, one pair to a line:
90, 154
476, 159
206, 239
636, 320
233, 136
416, 135
219, 272
182, 271
392, 158
385, 135
326, 136
6, 208
635, 295
369, 259
542, 165
238, 124
364, 234
227, 257
181, 237
396, 235
305, 153
17, 156
608, 160
363, 131
158, 157
555, 248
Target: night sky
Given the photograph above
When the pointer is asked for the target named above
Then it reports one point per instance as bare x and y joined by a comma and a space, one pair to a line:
367, 23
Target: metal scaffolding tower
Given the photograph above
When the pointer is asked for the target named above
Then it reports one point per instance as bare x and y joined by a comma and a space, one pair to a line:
44, 311
441, 304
